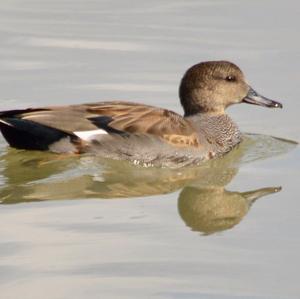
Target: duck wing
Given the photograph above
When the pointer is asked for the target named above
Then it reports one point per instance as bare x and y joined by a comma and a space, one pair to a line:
143, 119
115, 118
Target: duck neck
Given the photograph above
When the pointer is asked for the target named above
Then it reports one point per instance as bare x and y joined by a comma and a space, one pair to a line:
218, 130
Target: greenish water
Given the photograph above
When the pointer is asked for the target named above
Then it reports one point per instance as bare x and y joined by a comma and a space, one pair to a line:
84, 227
204, 203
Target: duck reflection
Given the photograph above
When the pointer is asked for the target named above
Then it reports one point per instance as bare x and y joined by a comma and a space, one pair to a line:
213, 210
204, 204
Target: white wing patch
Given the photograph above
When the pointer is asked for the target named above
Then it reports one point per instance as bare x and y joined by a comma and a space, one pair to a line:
6, 123
89, 135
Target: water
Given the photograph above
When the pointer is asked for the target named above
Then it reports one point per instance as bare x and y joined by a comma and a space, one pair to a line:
82, 227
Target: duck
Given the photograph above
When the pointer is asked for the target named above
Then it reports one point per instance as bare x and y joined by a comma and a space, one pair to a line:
143, 134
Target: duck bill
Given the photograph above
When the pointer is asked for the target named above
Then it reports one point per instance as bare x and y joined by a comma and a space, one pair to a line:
256, 99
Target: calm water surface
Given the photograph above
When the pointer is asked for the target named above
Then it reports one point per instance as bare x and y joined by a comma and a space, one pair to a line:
82, 227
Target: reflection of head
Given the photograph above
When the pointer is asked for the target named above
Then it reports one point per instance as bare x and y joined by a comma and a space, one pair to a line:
210, 210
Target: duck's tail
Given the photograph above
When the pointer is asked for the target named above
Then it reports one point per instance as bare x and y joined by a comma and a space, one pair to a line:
26, 134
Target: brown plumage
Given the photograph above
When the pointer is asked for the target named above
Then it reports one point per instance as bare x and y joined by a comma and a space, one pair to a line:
141, 133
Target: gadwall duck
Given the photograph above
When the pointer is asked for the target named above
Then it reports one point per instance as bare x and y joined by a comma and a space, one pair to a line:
140, 133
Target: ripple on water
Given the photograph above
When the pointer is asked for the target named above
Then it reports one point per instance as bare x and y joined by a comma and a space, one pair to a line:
260, 147
30, 176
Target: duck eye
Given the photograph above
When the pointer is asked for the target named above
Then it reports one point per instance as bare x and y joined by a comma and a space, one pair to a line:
230, 78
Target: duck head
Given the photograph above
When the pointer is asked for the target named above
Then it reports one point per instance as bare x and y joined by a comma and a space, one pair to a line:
212, 86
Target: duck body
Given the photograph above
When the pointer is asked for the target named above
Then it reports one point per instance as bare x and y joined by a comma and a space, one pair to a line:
140, 133
173, 149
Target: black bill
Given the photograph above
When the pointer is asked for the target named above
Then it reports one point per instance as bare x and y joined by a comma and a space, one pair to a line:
256, 99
